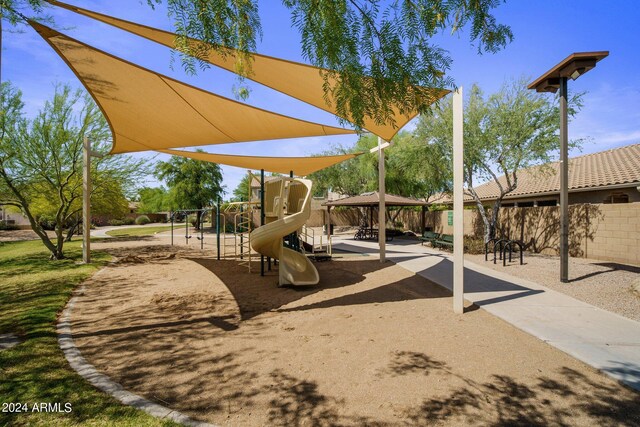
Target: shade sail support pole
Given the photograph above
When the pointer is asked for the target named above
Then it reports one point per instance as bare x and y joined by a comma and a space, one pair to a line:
458, 213
262, 214
86, 200
218, 228
381, 204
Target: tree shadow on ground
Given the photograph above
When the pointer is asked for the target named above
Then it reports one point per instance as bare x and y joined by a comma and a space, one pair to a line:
299, 403
566, 397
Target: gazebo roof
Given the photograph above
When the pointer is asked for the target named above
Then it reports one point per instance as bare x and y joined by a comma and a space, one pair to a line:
373, 199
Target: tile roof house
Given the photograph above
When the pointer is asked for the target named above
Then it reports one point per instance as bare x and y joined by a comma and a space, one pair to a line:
611, 176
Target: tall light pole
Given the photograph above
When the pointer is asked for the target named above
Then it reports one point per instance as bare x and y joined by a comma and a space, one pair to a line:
556, 78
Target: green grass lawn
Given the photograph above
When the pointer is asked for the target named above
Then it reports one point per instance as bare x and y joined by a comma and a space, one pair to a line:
33, 290
142, 231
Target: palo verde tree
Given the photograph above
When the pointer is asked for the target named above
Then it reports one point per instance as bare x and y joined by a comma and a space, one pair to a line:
41, 161
392, 42
511, 130
193, 184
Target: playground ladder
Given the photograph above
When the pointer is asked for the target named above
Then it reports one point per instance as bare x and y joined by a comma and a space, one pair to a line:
242, 234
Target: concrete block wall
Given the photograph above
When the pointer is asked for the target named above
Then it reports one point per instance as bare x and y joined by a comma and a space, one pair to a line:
618, 234
608, 232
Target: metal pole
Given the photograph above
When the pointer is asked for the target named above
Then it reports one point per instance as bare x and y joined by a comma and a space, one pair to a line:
262, 216
241, 230
218, 228
201, 213
564, 184
381, 204
186, 229
371, 221
171, 213
86, 201
458, 206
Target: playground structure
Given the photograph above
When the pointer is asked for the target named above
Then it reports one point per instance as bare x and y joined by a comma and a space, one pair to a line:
282, 236
287, 206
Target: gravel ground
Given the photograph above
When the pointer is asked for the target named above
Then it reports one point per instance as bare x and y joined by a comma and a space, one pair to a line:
605, 284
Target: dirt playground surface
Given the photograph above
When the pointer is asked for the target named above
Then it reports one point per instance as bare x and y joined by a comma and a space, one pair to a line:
371, 344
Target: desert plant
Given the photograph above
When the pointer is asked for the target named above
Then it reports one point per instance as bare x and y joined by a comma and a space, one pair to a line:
6, 226
142, 220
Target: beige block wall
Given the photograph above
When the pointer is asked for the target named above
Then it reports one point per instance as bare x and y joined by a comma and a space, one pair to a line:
598, 231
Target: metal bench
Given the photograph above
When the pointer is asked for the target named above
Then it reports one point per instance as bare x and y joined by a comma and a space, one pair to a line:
429, 236
444, 241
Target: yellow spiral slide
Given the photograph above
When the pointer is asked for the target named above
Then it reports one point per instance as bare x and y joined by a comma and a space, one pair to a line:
283, 219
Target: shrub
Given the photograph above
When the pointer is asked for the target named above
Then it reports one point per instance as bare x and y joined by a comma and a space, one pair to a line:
116, 222
128, 221
142, 220
47, 222
473, 245
5, 226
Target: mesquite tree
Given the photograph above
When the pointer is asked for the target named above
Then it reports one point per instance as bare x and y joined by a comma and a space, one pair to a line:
393, 42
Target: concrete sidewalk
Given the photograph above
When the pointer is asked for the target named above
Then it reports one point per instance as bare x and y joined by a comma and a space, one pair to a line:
602, 339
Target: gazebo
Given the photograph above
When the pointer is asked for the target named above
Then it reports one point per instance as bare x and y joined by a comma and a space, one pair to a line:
371, 200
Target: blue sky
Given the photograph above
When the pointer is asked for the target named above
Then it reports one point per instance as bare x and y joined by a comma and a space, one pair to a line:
545, 31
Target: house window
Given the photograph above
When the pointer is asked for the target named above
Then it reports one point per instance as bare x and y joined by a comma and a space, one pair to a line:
547, 203
617, 197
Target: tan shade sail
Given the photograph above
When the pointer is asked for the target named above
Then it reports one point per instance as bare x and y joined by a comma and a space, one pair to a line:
298, 80
300, 166
148, 111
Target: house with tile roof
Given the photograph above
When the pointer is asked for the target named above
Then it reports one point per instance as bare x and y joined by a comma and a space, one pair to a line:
611, 176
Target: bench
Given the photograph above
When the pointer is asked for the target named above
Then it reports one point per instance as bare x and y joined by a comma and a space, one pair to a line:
429, 236
445, 241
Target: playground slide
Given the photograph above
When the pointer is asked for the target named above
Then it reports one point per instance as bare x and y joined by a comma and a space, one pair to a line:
295, 268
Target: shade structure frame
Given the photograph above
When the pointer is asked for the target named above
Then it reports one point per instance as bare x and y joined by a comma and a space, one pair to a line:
273, 124
312, 94
300, 166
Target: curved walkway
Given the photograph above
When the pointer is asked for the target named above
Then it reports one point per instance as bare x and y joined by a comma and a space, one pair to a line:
103, 382
604, 340
102, 231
